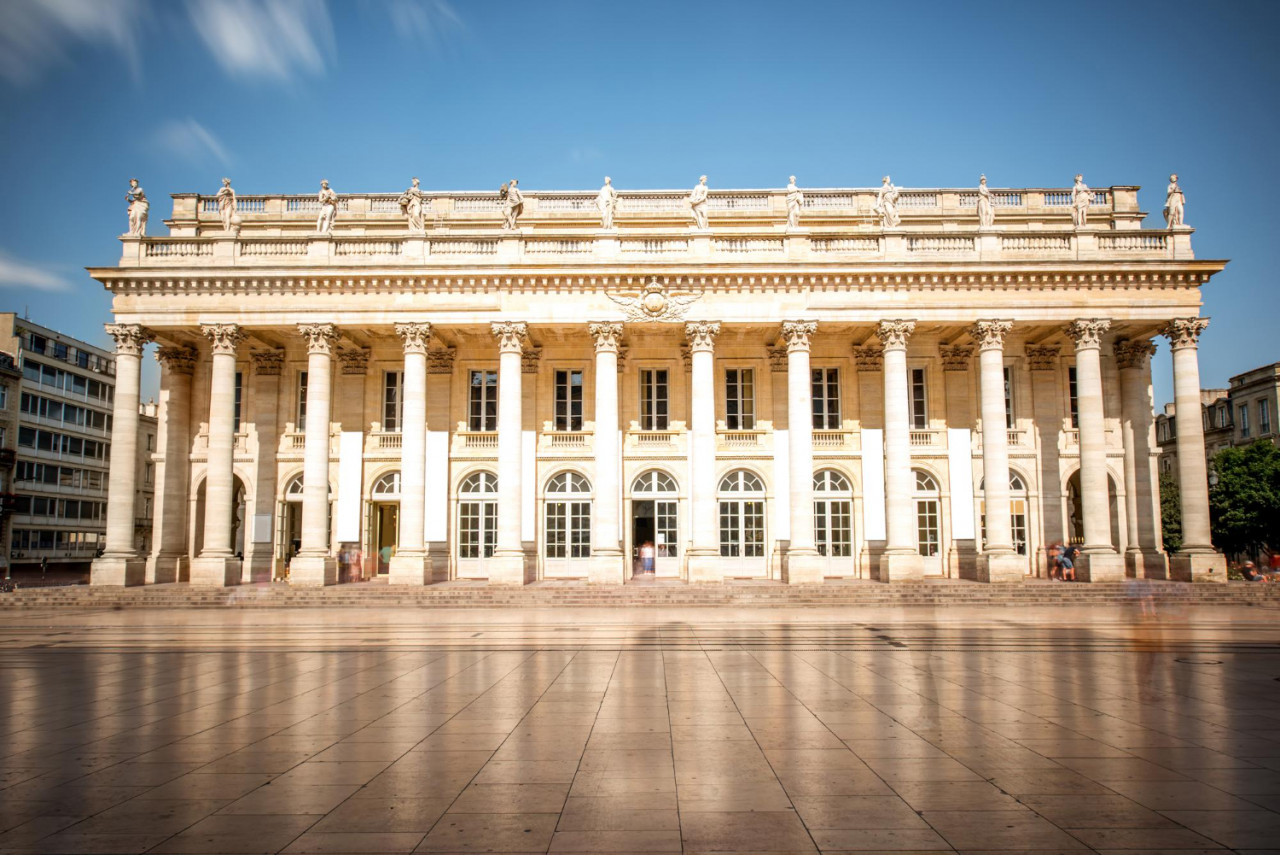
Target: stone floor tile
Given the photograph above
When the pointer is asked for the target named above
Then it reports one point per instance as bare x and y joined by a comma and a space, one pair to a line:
491, 832
1179, 795
292, 799
528, 772
954, 795
511, 798
580, 815
338, 843
616, 842
856, 812
1016, 829
1093, 811
363, 815
897, 840
1171, 837
744, 831
236, 834
1234, 829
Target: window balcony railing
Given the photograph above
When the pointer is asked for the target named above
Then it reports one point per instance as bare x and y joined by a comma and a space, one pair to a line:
926, 438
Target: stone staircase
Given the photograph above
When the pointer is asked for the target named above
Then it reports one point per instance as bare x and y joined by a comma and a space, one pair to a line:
861, 594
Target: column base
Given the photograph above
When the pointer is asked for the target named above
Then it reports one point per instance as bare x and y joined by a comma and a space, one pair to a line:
704, 566
1002, 567
506, 569
1198, 566
901, 567
313, 571
409, 568
1146, 565
805, 568
606, 569
257, 566
164, 568
1101, 566
120, 570
215, 571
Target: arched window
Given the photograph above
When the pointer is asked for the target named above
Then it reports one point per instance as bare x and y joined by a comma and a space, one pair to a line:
387, 487
477, 518
293, 490
832, 514
928, 515
567, 519
1017, 511
655, 481
742, 515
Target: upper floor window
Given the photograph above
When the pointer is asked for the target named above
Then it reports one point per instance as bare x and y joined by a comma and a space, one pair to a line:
826, 398
919, 400
739, 399
1073, 400
239, 400
568, 410
1008, 398
1244, 420
392, 386
654, 408
482, 412
302, 400
1264, 416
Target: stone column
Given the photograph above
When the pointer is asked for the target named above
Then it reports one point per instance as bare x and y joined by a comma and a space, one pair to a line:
1048, 416
1143, 558
409, 566
120, 563
901, 559
507, 565
704, 549
804, 565
607, 565
217, 563
998, 562
314, 564
1100, 561
1196, 561
173, 438
264, 415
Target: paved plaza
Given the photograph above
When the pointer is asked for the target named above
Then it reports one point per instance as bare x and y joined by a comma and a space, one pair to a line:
640, 730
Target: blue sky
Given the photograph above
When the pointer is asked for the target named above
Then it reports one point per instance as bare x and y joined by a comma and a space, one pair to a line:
280, 93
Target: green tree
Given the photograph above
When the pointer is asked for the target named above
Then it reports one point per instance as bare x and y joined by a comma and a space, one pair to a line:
1170, 513
1245, 503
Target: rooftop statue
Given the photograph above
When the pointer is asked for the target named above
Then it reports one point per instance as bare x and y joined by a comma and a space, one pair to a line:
887, 204
986, 210
328, 209
1081, 199
411, 202
698, 204
138, 208
227, 207
1175, 203
607, 202
795, 199
513, 204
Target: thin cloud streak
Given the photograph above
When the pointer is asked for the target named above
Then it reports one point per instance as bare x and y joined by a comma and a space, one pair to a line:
430, 21
192, 141
36, 34
274, 39
15, 273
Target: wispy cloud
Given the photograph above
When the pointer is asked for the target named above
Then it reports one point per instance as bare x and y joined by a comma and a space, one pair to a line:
430, 21
275, 39
190, 140
35, 34
15, 273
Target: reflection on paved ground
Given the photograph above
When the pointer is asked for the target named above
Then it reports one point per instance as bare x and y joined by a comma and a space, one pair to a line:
694, 730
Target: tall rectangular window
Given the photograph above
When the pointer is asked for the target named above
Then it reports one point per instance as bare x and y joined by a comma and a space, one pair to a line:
826, 398
1073, 402
1264, 417
1008, 398
4, 396
568, 400
392, 384
653, 399
302, 400
239, 398
1244, 421
482, 414
919, 400
739, 399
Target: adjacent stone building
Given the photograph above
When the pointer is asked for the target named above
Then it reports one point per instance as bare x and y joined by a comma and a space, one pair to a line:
1238, 415
821, 384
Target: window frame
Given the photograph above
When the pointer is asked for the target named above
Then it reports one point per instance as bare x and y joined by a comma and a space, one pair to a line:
655, 399
740, 398
482, 400
824, 393
568, 399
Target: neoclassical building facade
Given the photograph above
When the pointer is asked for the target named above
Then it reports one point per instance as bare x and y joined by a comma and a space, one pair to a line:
819, 384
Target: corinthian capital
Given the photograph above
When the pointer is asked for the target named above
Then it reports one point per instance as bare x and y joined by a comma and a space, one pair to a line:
510, 335
702, 335
1134, 353
1184, 332
225, 337
176, 360
607, 335
955, 357
894, 334
990, 334
797, 334
417, 336
1042, 357
1087, 332
129, 338
320, 337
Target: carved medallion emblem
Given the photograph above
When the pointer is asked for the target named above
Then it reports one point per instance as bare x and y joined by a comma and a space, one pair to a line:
654, 303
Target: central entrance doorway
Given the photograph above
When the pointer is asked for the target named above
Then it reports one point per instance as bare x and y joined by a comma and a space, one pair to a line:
384, 507
655, 526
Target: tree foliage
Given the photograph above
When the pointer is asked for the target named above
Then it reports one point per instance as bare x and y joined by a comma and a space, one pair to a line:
1245, 503
1170, 513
